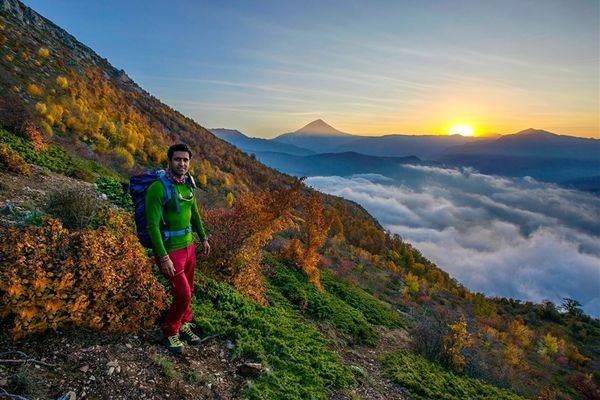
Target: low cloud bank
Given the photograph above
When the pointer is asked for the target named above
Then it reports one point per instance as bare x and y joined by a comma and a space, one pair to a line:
506, 237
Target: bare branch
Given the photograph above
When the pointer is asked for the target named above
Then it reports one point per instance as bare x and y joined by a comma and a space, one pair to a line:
26, 361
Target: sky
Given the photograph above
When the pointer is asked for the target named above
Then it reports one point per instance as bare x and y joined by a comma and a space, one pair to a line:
507, 237
372, 68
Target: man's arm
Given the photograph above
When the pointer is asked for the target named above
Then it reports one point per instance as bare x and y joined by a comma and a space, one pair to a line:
153, 202
197, 221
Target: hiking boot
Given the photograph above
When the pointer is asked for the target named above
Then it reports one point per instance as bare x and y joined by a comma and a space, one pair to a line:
173, 344
187, 335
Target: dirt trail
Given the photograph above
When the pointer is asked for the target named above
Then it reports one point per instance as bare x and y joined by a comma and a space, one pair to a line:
372, 382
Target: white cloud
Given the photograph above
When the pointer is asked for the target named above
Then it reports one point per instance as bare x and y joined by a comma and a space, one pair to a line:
504, 237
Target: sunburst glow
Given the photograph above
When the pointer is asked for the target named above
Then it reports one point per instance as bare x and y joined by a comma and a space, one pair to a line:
464, 130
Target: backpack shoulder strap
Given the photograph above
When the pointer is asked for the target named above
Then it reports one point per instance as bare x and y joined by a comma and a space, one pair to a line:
169, 190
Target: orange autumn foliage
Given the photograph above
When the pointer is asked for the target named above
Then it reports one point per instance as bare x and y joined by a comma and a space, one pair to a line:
239, 234
52, 277
12, 161
314, 233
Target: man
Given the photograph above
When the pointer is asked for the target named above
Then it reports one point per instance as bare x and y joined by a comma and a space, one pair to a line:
170, 230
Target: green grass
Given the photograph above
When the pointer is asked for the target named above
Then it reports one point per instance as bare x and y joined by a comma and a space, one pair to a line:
55, 158
306, 298
374, 310
302, 366
429, 381
167, 367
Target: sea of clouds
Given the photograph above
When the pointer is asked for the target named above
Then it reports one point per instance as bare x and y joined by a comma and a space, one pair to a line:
510, 237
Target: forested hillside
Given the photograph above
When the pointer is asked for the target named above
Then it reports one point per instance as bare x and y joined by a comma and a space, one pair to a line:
308, 285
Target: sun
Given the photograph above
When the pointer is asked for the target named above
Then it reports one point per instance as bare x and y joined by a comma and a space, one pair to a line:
463, 130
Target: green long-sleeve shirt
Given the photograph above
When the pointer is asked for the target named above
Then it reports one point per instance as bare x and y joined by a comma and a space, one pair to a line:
173, 221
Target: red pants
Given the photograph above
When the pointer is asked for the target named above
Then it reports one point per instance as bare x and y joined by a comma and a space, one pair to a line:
182, 287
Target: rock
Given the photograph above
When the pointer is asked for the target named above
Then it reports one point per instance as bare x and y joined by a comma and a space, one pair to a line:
128, 345
112, 364
230, 345
249, 369
92, 378
111, 370
3, 382
85, 368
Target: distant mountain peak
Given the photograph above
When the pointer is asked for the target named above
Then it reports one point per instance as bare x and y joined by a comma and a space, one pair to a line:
224, 132
533, 131
320, 127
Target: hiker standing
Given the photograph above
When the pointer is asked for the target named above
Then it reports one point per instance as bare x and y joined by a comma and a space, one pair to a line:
170, 229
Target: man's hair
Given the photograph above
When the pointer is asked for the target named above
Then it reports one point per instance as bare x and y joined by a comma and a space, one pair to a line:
178, 147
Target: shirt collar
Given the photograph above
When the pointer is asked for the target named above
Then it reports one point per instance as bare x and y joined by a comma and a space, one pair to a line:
173, 178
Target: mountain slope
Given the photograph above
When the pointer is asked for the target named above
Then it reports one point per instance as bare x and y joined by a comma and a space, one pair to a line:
546, 156
319, 127
317, 136
422, 146
321, 137
254, 145
534, 143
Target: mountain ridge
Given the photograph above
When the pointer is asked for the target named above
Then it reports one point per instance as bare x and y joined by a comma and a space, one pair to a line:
319, 127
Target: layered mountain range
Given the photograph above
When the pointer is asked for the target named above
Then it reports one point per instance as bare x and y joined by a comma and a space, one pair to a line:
546, 156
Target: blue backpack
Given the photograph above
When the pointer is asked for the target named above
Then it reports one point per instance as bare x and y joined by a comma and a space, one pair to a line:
138, 184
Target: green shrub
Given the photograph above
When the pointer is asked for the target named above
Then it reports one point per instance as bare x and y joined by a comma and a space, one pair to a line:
295, 286
113, 189
374, 310
277, 336
429, 381
55, 158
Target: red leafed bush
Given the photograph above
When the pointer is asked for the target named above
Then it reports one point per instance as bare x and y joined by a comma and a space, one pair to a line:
239, 234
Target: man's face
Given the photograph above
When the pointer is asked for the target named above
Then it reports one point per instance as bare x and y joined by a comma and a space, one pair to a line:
179, 163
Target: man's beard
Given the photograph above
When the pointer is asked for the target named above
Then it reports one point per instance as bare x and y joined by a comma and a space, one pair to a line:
178, 172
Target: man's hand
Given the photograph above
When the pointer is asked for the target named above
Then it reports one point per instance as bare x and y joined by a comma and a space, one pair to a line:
167, 267
206, 251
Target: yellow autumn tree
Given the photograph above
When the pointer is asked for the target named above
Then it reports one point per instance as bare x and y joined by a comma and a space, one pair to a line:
43, 52
229, 199
412, 284
314, 233
520, 333
549, 345
62, 82
514, 356
457, 339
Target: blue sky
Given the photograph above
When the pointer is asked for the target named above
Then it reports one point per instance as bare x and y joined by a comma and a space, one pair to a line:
268, 67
